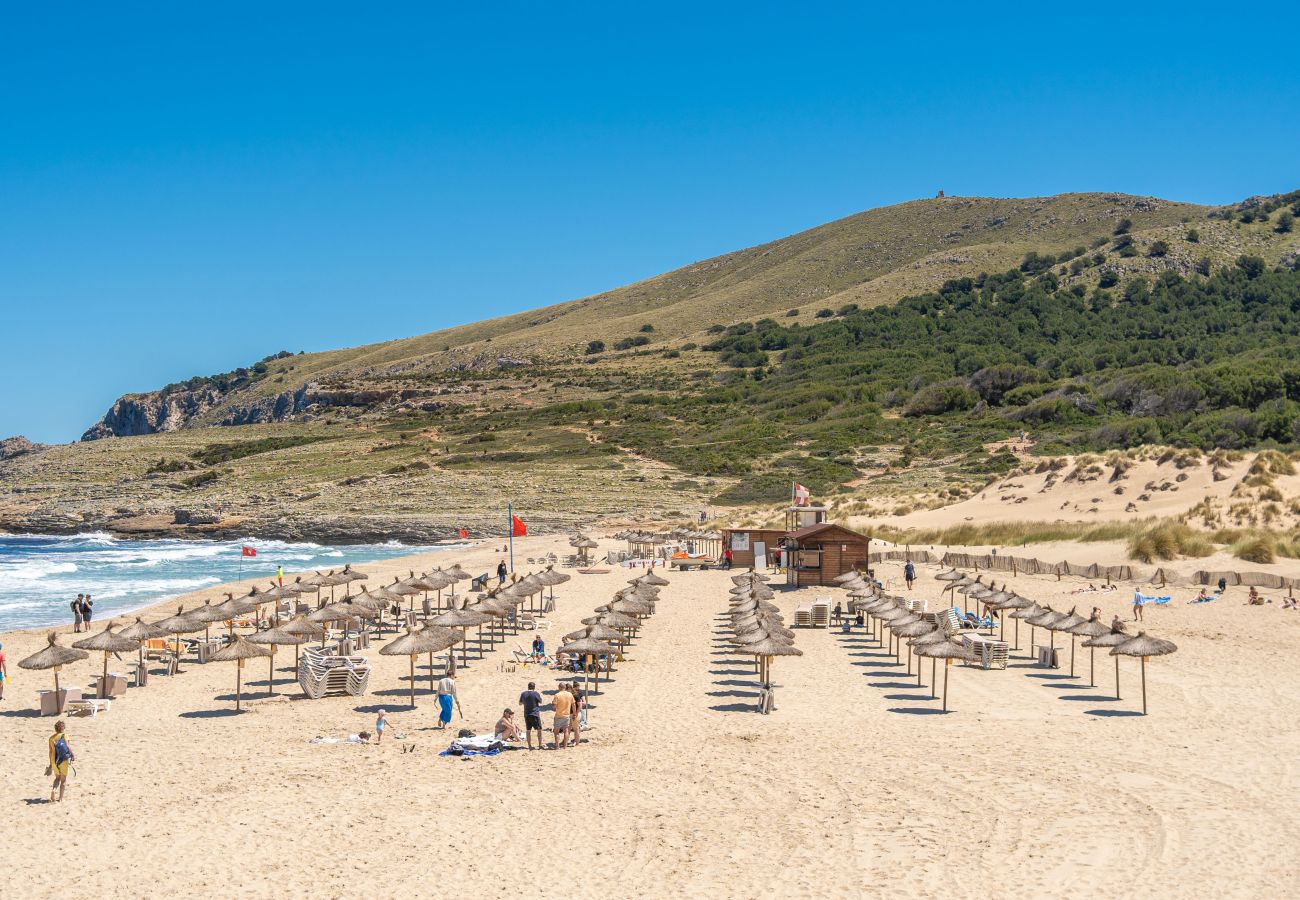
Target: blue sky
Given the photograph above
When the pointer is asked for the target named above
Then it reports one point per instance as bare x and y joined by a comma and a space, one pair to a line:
186, 188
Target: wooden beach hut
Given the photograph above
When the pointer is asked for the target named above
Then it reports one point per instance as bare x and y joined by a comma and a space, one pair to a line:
820, 553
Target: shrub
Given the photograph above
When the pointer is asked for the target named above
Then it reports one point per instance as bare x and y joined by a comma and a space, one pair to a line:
1253, 266
825, 313
1109, 278
1203, 266
594, 347
1158, 249
1124, 227
647, 328
1258, 548
791, 313
937, 399
1193, 236
1285, 222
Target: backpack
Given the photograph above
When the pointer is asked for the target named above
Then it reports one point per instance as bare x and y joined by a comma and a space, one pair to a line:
62, 753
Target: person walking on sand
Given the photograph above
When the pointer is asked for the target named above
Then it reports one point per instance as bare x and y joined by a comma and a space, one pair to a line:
4, 672
562, 705
1138, 602
76, 614
909, 574
447, 698
501, 572
61, 758
727, 558
531, 701
381, 722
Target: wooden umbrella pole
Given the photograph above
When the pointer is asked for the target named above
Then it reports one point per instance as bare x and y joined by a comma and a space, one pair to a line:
270, 673
431, 688
1117, 697
946, 664
1031, 640
1092, 667
412, 681
1017, 634
239, 676
918, 671
934, 682
1071, 656
1144, 685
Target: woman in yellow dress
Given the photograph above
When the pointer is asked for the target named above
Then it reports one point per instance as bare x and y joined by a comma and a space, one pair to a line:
61, 757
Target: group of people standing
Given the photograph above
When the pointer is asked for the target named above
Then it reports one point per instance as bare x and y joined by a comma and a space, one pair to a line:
81, 609
569, 706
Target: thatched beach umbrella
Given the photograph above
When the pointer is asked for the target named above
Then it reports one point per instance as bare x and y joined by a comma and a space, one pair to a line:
107, 641
947, 651
1112, 638
278, 637
140, 631
1012, 605
1066, 625
1090, 628
52, 656
591, 648
1143, 646
1045, 620
652, 579
412, 644
846, 577
181, 623
440, 638
1025, 613
303, 627
766, 649
551, 578
462, 619
237, 651
912, 630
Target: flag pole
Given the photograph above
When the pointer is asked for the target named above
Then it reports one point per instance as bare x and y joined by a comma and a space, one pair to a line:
510, 530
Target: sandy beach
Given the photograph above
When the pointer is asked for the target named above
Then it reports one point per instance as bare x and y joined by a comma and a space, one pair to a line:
1034, 783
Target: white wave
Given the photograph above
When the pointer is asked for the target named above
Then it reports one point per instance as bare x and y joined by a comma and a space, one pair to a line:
33, 569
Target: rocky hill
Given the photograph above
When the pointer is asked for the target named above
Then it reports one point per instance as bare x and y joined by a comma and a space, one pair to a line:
867, 259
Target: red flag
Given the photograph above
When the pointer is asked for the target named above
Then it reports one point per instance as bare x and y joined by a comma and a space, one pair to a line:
800, 495
249, 551
517, 527
464, 532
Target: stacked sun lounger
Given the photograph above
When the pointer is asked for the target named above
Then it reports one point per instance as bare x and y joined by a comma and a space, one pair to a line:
321, 673
803, 616
990, 654
916, 606
821, 612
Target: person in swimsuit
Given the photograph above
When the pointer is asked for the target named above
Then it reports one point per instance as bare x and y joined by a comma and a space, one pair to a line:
4, 672
380, 724
506, 729
61, 757
1138, 602
575, 721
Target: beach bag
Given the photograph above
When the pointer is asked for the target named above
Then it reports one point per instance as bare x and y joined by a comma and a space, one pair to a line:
465, 732
62, 753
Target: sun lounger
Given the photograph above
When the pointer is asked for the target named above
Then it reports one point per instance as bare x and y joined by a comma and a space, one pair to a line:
803, 616
952, 621
989, 653
88, 705
531, 622
320, 674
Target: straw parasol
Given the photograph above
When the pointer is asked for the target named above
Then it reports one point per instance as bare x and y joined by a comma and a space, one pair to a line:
912, 630
765, 650
238, 650
181, 623
652, 579
1045, 620
462, 619
1066, 624
1112, 638
1033, 610
53, 657
279, 637
946, 651
846, 577
303, 627
1143, 646
107, 641
592, 648
444, 639
597, 632
412, 644
1089, 628
140, 631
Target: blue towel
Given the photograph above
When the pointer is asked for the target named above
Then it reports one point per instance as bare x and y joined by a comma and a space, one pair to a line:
466, 754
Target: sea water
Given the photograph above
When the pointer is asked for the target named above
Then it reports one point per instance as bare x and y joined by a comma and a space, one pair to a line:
40, 576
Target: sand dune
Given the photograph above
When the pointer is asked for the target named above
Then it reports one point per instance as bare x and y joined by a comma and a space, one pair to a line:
1034, 784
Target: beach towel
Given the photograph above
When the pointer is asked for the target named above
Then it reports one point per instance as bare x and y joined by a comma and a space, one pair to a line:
1205, 600
479, 745
444, 705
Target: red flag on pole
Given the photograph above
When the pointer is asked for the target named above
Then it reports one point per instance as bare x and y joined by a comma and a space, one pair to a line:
464, 532
517, 527
800, 495
249, 551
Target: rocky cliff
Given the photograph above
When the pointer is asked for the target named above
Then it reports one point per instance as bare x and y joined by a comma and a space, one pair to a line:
18, 445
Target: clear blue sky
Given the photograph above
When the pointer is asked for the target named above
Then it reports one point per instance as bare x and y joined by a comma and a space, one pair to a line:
185, 188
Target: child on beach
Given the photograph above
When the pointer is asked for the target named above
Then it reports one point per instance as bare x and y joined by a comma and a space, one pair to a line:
61, 757
4, 672
380, 724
